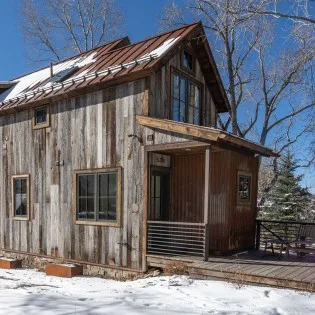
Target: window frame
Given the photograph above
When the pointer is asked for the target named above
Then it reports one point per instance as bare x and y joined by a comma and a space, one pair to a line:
47, 123
165, 170
13, 178
116, 223
246, 174
194, 81
182, 63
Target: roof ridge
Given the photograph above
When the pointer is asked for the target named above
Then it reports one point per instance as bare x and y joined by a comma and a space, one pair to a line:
157, 35
114, 50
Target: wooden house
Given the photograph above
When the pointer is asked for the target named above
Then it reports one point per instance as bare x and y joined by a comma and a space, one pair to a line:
114, 155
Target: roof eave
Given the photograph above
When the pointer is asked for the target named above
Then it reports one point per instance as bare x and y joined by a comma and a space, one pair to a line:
205, 133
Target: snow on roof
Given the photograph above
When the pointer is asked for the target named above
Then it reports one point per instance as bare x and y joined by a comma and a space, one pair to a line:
29, 81
162, 49
26, 85
98, 65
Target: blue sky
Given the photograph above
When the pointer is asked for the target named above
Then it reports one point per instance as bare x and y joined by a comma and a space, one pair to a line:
141, 20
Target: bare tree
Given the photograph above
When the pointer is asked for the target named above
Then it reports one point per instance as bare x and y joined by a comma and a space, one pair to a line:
298, 11
54, 29
270, 87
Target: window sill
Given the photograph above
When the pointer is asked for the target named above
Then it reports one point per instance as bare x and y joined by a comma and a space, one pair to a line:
20, 218
98, 223
41, 126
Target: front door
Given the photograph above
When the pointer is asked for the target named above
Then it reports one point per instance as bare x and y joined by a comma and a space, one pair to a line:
160, 194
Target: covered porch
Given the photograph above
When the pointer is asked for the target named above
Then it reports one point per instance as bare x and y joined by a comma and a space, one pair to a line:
177, 218
200, 190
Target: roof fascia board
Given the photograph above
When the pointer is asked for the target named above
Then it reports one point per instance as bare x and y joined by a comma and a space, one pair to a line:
202, 132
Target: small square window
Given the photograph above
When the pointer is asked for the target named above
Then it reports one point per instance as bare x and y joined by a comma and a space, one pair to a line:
244, 187
41, 117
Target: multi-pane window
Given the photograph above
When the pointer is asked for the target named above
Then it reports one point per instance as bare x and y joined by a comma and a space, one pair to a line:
41, 117
186, 100
20, 196
97, 196
244, 187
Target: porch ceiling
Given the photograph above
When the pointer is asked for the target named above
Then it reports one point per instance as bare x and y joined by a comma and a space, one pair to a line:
202, 133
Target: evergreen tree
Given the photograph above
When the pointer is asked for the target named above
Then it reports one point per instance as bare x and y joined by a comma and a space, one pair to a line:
288, 200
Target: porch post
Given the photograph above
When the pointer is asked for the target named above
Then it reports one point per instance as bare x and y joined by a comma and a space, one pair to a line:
206, 201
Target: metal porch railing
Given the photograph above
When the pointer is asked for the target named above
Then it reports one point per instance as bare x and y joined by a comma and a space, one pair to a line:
176, 238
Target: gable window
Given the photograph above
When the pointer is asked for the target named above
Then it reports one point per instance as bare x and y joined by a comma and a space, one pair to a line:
244, 187
188, 60
186, 100
98, 196
20, 197
41, 117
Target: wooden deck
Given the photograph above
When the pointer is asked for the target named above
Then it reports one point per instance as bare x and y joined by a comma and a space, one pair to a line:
263, 270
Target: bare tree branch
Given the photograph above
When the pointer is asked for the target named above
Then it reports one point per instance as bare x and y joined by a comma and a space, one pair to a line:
56, 29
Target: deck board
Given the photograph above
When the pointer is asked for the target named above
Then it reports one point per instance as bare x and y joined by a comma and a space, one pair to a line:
289, 274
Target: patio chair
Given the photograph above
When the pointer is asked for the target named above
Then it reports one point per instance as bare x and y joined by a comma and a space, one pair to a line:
278, 241
305, 241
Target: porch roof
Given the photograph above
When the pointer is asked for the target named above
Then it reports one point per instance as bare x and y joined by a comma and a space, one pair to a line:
210, 134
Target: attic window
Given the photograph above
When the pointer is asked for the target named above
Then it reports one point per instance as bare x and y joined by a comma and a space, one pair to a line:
63, 75
188, 61
41, 117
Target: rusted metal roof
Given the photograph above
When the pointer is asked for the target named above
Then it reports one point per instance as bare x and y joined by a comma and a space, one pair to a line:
112, 61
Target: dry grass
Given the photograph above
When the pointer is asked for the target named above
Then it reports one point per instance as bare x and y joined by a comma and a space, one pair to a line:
176, 267
238, 280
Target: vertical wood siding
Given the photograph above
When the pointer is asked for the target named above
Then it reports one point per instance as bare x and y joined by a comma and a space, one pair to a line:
187, 190
86, 132
231, 225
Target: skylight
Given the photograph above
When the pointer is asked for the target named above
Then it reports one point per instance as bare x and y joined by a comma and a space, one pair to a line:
63, 75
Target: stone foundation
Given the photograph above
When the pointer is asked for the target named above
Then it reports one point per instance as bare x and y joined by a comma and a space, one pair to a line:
108, 272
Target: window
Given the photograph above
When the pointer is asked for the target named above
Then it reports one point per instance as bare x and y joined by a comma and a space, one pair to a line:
186, 100
20, 197
98, 196
160, 193
244, 187
188, 61
41, 117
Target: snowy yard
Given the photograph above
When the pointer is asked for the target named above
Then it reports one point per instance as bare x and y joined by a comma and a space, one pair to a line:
30, 292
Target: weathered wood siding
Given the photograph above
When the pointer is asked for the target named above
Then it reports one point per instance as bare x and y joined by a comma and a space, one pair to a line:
188, 173
89, 131
160, 92
231, 224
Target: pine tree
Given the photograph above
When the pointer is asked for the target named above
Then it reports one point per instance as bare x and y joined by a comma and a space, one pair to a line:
288, 200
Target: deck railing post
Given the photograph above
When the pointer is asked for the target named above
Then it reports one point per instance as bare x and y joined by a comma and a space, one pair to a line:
258, 231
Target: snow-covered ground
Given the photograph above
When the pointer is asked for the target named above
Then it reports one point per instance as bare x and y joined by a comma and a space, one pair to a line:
31, 292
